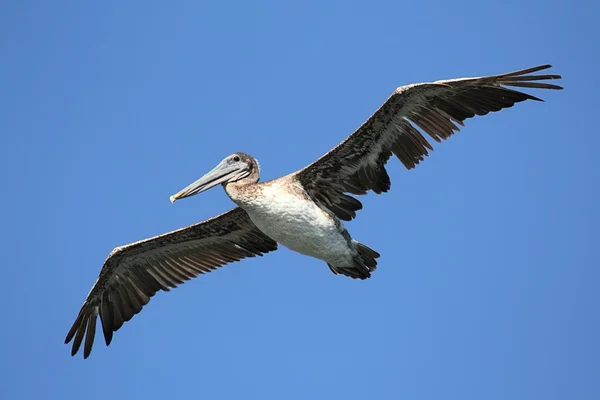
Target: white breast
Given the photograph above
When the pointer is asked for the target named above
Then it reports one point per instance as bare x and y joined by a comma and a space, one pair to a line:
297, 223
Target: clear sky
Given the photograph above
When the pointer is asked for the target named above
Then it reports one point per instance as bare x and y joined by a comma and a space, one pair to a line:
487, 286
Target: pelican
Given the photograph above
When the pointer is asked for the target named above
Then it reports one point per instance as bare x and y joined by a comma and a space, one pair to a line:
302, 211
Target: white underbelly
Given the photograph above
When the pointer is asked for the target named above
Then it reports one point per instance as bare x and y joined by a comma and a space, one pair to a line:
299, 225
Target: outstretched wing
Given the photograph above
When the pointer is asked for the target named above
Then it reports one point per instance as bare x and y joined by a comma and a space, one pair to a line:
357, 165
132, 274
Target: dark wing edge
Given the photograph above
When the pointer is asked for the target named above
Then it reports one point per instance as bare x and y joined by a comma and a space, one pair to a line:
132, 274
357, 164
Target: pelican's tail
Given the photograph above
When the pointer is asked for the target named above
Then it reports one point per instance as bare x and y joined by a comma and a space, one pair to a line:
364, 263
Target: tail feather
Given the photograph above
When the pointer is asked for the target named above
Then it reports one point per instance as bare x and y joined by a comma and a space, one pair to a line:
364, 263
368, 255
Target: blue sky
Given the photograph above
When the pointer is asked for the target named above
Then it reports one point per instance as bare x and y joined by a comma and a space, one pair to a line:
487, 286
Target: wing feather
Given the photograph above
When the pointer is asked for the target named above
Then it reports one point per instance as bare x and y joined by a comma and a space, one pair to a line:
357, 165
132, 274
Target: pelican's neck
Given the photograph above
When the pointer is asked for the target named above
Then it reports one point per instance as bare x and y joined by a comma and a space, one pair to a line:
244, 190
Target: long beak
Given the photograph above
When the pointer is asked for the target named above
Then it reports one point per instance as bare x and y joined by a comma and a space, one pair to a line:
220, 174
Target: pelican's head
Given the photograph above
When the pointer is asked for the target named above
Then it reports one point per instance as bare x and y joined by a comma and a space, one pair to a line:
233, 168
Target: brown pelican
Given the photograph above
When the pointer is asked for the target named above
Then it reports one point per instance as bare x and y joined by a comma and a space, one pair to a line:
302, 211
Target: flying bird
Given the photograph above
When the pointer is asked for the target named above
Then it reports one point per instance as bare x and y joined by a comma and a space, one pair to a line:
303, 211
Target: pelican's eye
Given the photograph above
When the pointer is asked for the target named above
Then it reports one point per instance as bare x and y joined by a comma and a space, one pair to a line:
236, 158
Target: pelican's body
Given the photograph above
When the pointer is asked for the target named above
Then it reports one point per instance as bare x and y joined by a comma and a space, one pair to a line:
302, 211
283, 210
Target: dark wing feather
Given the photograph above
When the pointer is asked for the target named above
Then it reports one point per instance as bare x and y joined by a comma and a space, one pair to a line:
132, 274
357, 165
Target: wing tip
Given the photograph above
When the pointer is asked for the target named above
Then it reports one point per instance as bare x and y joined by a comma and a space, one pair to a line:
83, 331
528, 70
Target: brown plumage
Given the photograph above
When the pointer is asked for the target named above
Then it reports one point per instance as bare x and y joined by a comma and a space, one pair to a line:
357, 165
132, 274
